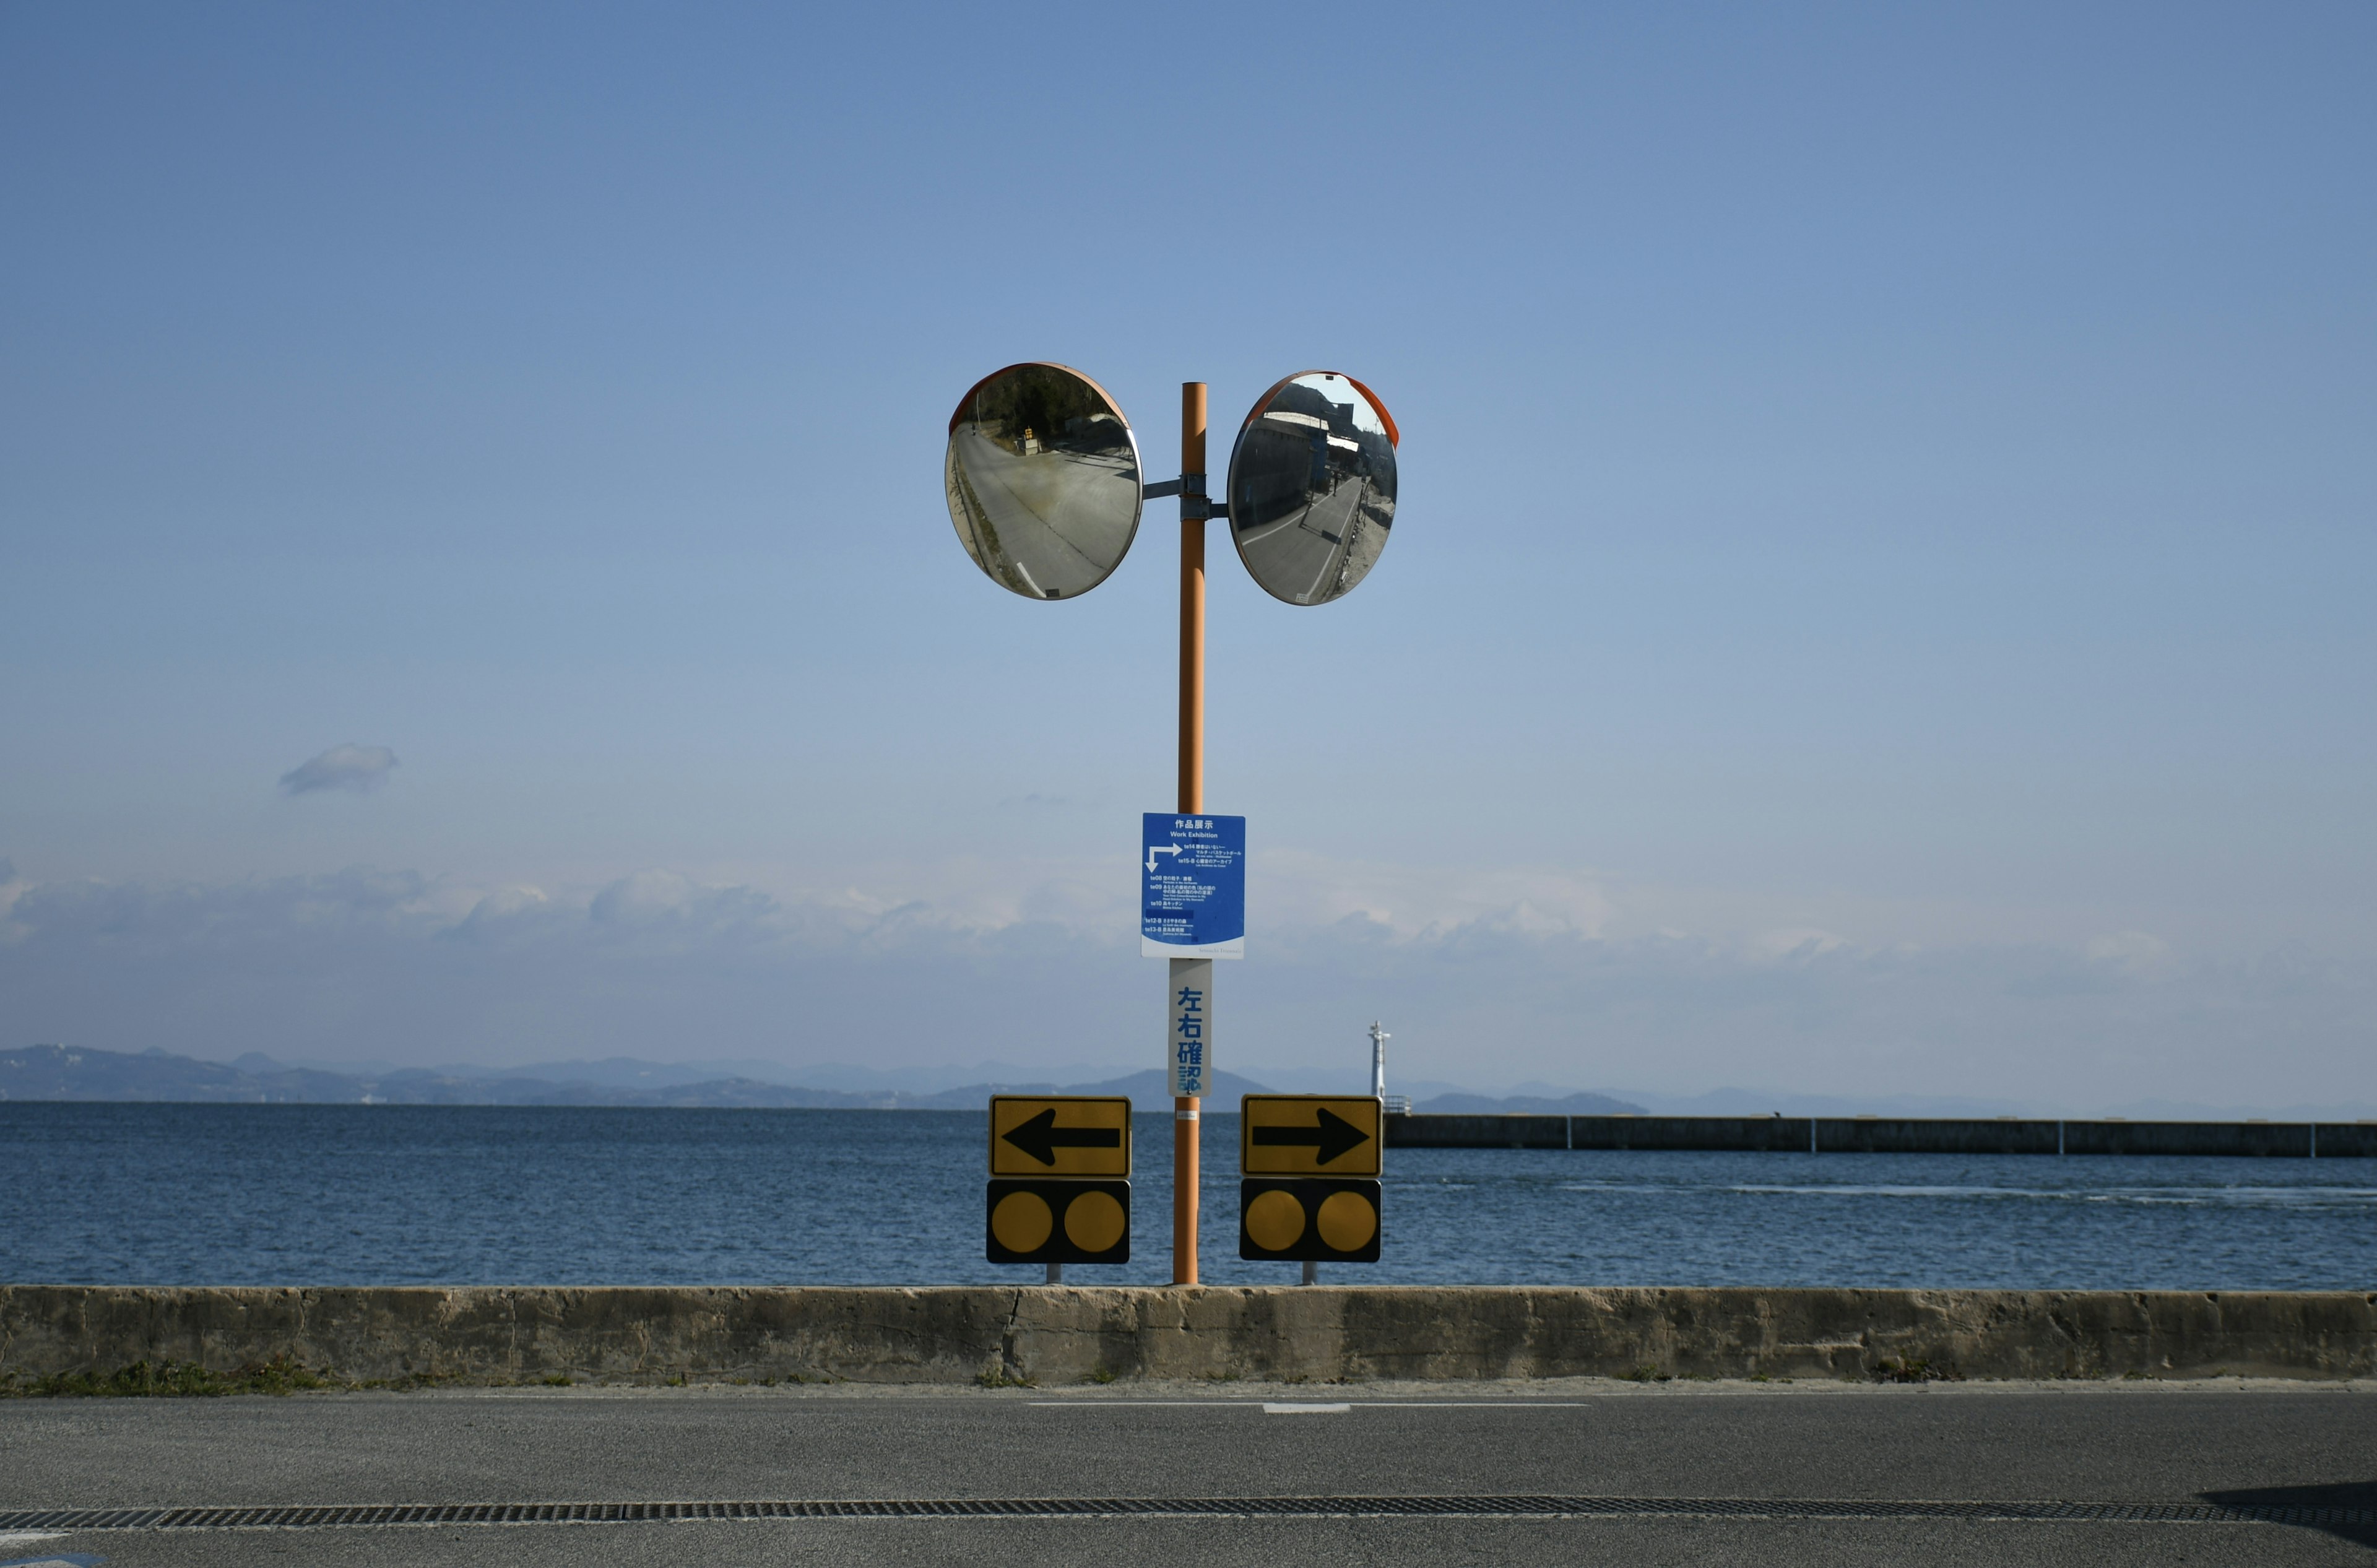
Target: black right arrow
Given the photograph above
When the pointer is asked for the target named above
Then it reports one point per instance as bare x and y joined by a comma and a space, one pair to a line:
1041, 1137
1333, 1137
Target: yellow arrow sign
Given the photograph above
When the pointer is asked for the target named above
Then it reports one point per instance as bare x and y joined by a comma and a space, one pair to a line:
1059, 1135
1309, 1136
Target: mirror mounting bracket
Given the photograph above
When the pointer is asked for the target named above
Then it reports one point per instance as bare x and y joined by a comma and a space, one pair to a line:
1194, 505
1190, 488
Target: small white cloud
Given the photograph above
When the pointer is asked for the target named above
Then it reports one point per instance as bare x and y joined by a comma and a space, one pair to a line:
358, 768
2132, 952
1300, 888
508, 902
666, 901
1794, 941
12, 888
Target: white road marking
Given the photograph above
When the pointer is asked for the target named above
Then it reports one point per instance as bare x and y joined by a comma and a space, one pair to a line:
1344, 549
1276, 1408
1305, 1409
1257, 536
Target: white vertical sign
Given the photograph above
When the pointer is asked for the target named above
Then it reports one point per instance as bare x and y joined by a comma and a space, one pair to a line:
1188, 1024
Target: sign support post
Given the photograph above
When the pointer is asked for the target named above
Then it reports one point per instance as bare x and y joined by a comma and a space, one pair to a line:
1192, 777
1030, 475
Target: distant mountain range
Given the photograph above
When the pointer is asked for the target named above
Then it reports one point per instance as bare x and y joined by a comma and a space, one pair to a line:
1531, 1105
76, 1072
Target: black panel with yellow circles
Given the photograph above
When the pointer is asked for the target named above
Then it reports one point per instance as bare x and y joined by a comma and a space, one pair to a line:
1042, 1221
1315, 1219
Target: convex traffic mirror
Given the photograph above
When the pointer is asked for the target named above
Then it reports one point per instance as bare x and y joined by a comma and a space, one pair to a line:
1312, 487
1044, 480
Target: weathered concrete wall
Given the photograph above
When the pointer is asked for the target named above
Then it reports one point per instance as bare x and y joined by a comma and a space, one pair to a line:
1057, 1333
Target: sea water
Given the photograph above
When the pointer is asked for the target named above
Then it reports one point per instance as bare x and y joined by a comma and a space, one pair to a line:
186, 1194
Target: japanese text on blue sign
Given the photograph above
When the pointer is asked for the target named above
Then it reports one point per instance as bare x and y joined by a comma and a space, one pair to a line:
1192, 886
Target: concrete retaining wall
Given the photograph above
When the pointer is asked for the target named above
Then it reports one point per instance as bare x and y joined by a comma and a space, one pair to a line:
1478, 1131
1754, 1134
1887, 1135
1059, 1334
2283, 1139
1909, 1135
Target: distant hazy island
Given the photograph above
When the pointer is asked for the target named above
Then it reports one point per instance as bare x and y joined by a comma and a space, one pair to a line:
77, 1073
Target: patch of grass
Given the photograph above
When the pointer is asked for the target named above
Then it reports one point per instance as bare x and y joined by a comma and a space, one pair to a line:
1102, 1374
1644, 1374
192, 1380
403, 1385
996, 1377
174, 1380
1913, 1368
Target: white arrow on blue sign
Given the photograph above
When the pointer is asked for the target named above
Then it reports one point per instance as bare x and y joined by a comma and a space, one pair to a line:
1192, 886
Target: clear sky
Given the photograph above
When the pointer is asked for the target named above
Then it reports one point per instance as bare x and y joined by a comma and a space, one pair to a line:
1879, 602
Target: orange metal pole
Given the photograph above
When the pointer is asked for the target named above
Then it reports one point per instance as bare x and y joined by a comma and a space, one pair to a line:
1192, 795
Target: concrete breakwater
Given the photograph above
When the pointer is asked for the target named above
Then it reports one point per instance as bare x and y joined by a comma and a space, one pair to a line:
1059, 1334
1888, 1135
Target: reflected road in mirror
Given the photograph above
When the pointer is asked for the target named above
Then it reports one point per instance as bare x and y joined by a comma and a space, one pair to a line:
1043, 480
1312, 487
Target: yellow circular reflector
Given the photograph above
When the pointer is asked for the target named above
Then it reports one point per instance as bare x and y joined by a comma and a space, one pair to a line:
1274, 1220
1021, 1222
1094, 1222
1347, 1221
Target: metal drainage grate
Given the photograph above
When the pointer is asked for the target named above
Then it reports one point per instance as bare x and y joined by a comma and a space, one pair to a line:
383, 1515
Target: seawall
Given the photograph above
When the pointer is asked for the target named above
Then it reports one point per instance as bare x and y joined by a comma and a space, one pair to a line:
1888, 1135
1058, 1334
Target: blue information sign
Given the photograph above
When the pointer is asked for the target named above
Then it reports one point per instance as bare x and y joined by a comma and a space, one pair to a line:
1192, 886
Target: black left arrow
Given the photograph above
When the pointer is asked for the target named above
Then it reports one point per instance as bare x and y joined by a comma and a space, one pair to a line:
1331, 1138
1041, 1137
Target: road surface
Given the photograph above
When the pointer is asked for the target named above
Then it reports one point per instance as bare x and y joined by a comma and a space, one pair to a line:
1052, 524
1312, 552
1581, 1472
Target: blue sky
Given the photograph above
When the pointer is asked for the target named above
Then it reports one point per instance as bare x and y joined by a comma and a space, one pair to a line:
1879, 600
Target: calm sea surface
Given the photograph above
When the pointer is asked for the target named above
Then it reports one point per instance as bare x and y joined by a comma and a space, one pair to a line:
351, 1194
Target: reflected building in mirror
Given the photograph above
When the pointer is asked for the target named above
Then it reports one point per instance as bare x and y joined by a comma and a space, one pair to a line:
1043, 480
1312, 487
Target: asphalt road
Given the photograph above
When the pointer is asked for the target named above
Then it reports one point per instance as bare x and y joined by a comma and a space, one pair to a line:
1790, 1453
1302, 554
1062, 518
